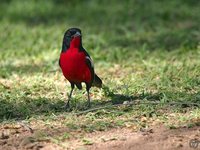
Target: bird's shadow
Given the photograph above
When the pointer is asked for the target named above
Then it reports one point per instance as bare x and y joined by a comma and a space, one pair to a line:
42, 106
121, 98
116, 98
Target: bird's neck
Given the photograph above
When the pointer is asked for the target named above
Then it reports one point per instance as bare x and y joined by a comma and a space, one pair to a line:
76, 42
71, 44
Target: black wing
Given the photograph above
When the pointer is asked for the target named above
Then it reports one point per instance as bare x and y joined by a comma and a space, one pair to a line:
91, 67
96, 81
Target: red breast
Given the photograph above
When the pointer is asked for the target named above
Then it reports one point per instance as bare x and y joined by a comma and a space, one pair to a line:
73, 64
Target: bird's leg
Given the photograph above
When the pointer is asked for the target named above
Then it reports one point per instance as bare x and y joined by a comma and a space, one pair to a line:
70, 95
88, 95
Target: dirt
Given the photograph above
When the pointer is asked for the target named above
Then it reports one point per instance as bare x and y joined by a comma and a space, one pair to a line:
17, 137
155, 138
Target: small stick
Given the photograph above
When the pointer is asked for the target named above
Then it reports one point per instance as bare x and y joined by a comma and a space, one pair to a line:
27, 127
132, 103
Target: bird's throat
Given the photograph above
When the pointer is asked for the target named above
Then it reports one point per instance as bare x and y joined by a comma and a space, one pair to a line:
76, 42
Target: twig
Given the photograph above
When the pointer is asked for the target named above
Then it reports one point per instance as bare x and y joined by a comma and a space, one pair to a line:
133, 103
97, 108
27, 127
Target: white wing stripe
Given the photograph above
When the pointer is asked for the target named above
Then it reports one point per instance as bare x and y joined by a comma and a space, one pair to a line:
90, 61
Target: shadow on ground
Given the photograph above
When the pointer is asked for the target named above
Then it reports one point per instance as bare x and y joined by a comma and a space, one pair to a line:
28, 107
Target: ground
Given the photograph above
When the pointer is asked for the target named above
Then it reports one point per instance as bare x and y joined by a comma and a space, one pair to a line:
146, 53
156, 137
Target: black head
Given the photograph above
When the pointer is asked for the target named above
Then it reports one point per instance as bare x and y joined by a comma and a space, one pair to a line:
73, 32
68, 36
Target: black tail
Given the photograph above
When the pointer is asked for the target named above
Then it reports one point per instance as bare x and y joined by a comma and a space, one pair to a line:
97, 81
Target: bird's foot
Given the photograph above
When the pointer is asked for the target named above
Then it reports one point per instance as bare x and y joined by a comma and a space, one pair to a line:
88, 105
67, 107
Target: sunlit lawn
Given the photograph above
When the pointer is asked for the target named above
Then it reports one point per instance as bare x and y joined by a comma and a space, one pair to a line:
146, 54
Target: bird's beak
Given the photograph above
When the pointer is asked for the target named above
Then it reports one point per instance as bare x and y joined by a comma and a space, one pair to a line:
77, 34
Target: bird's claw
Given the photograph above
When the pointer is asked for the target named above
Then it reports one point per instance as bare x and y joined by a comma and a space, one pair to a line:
88, 105
67, 107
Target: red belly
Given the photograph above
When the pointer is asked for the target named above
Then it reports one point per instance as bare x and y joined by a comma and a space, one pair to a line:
74, 67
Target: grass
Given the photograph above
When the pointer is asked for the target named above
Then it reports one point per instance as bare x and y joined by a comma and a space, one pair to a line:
143, 51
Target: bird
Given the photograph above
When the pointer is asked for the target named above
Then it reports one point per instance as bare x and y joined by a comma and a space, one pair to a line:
77, 65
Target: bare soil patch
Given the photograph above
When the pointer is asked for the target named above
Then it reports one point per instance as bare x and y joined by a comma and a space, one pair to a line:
157, 137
